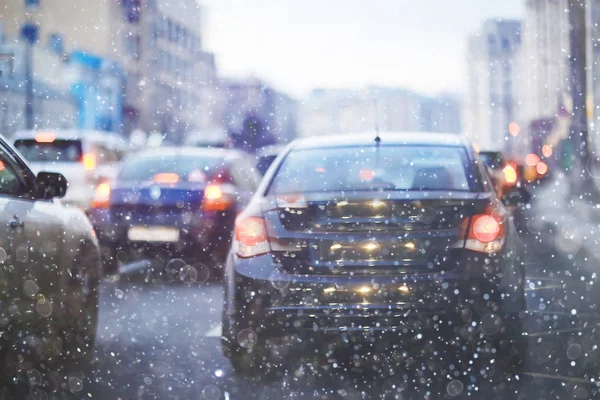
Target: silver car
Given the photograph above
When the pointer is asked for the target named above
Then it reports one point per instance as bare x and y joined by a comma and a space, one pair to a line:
49, 264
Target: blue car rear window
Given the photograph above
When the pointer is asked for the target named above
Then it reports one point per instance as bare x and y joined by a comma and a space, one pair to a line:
188, 168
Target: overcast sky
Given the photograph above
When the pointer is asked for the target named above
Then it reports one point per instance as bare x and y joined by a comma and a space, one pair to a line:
299, 45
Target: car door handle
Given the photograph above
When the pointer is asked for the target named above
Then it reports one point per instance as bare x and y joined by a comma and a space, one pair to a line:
16, 223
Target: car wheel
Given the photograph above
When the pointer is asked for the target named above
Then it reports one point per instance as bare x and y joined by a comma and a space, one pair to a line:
81, 308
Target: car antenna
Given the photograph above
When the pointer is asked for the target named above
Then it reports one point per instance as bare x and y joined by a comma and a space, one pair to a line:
377, 138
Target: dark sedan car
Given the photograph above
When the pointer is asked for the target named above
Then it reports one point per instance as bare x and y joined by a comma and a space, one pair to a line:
174, 204
357, 239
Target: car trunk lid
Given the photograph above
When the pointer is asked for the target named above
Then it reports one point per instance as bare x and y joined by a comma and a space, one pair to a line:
370, 232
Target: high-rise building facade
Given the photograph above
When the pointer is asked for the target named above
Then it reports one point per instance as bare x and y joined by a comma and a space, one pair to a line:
335, 111
490, 102
158, 43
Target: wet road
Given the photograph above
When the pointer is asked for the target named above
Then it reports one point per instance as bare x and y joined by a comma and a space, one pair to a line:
161, 341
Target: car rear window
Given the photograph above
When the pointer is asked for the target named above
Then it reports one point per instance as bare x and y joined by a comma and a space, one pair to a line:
265, 162
491, 159
368, 168
55, 151
188, 168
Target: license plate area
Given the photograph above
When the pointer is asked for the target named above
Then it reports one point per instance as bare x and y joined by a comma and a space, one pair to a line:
153, 234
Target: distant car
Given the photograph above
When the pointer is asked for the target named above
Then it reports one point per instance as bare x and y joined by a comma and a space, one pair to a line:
208, 138
50, 263
84, 157
266, 156
400, 244
179, 203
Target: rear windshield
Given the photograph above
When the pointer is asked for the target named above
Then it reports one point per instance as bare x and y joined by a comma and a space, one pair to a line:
188, 168
366, 168
57, 151
265, 162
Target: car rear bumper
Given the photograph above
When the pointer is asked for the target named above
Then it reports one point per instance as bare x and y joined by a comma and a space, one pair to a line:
201, 238
280, 303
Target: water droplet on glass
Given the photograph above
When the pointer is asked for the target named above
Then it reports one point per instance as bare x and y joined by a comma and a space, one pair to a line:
454, 388
30, 288
568, 242
280, 279
147, 380
574, 351
75, 384
500, 214
22, 254
43, 308
36, 393
247, 338
34, 377
173, 268
3, 255
491, 324
211, 392
201, 272
119, 293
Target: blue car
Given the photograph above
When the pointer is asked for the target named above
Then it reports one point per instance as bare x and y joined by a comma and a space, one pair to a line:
384, 241
173, 204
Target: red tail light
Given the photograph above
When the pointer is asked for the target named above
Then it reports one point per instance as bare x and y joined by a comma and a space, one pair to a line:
486, 234
215, 199
251, 237
101, 196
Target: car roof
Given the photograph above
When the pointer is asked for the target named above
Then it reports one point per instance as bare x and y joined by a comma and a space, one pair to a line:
74, 134
173, 151
387, 138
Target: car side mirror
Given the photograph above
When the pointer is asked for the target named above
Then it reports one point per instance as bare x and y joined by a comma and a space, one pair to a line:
51, 185
516, 197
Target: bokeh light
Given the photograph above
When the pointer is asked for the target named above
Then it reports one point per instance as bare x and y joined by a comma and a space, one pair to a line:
514, 129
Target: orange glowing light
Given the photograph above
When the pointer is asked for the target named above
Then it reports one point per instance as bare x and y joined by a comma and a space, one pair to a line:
89, 161
541, 168
366, 174
320, 169
102, 196
532, 159
45, 137
166, 178
514, 129
1, 166
547, 151
477, 148
213, 192
510, 174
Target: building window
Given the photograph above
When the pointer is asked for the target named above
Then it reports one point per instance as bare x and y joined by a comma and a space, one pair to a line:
7, 63
131, 10
55, 43
132, 44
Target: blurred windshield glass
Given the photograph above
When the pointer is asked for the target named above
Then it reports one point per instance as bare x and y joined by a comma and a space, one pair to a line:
58, 150
199, 169
368, 168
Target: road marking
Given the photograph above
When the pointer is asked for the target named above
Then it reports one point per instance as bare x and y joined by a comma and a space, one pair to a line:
578, 329
557, 377
214, 332
528, 289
